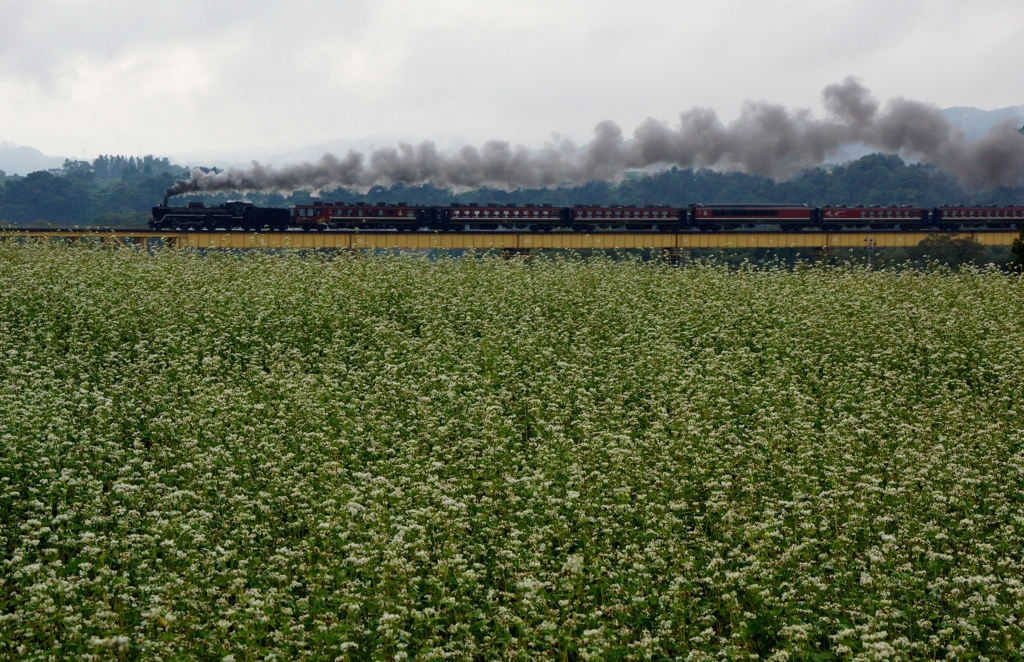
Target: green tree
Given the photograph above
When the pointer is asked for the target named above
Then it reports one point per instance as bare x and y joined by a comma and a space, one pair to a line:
1017, 248
43, 196
947, 250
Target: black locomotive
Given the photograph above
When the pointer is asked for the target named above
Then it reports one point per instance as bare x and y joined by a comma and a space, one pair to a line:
197, 216
400, 217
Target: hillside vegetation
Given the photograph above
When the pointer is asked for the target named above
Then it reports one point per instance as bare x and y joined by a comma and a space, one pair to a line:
115, 191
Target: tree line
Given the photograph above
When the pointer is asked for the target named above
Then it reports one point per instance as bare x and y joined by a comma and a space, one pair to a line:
115, 190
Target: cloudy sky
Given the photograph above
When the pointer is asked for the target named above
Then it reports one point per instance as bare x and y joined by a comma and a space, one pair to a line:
248, 78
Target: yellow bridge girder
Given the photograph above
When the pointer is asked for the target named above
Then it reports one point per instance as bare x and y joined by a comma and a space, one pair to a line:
519, 241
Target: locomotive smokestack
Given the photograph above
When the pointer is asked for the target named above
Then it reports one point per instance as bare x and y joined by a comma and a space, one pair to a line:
767, 139
165, 201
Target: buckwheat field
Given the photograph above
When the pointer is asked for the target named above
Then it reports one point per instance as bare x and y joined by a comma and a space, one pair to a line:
242, 457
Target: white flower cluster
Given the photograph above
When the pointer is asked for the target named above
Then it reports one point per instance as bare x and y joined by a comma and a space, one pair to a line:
213, 456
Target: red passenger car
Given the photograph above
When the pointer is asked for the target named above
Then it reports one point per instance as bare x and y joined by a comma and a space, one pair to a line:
651, 218
740, 216
876, 218
991, 218
357, 216
491, 217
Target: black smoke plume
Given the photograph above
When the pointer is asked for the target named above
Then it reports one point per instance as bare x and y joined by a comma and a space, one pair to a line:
767, 139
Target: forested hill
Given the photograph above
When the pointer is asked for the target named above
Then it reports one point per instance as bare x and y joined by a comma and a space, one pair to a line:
119, 191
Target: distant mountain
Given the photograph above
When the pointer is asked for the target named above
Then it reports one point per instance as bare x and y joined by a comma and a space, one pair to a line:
23, 160
976, 122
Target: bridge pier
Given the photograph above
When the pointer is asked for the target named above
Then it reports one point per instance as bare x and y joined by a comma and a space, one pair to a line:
676, 255
823, 253
517, 253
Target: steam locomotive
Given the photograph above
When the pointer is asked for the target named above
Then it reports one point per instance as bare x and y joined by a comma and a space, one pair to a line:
493, 217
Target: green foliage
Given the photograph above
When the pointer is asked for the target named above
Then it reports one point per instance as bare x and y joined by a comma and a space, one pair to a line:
76, 194
43, 196
223, 457
121, 185
1017, 248
944, 249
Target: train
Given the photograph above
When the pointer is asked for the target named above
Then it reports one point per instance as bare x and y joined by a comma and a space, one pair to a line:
589, 218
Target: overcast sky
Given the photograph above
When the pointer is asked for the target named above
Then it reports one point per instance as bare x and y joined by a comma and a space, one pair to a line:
82, 77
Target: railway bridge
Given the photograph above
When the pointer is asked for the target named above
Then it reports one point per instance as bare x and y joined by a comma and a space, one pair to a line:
511, 242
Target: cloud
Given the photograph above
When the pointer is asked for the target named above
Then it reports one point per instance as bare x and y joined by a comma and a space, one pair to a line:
229, 75
766, 139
